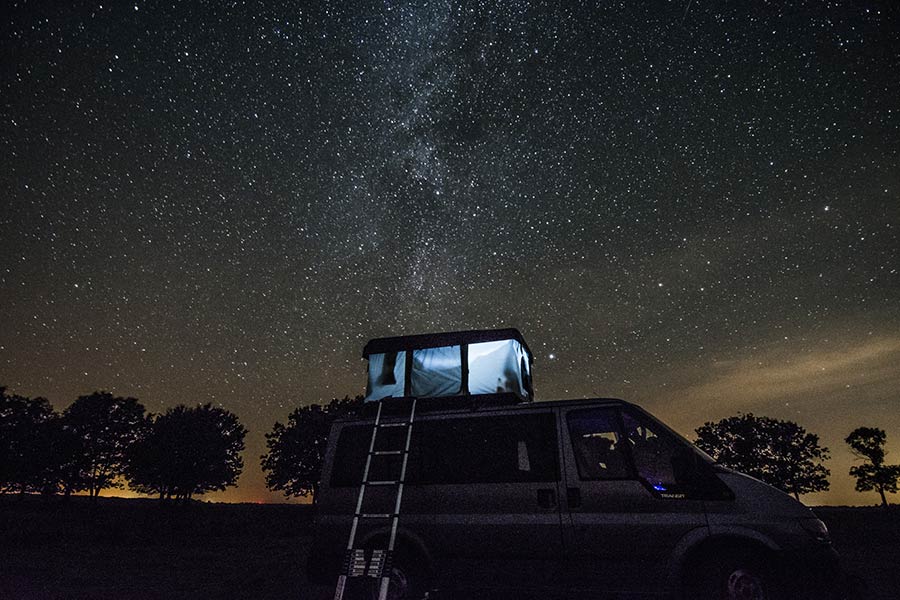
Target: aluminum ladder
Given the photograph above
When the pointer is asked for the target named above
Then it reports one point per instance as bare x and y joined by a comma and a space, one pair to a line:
378, 564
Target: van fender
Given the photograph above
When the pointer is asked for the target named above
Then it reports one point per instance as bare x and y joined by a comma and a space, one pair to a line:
702, 540
745, 533
688, 542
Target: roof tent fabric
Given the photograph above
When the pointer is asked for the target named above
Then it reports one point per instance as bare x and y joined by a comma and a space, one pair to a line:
495, 367
387, 375
436, 372
450, 364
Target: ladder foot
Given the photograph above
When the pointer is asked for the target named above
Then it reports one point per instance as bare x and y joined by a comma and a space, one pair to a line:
374, 567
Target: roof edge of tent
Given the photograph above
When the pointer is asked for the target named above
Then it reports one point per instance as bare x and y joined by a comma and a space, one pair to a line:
438, 340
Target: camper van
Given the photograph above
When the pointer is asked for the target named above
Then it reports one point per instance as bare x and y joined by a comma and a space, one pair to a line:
452, 490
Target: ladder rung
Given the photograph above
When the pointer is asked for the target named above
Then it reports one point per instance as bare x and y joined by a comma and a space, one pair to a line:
355, 564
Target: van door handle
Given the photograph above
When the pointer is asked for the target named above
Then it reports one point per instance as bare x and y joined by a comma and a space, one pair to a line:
573, 497
546, 498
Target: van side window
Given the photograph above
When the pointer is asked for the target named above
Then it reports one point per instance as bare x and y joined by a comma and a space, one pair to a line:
350, 455
598, 445
655, 451
485, 449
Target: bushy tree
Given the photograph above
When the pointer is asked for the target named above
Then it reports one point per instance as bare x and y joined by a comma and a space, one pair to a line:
867, 443
68, 458
187, 451
293, 463
780, 453
27, 453
102, 427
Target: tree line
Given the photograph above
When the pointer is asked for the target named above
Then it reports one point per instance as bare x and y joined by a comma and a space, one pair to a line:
780, 453
102, 441
784, 455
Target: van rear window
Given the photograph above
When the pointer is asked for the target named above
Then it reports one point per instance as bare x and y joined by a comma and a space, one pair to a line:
485, 450
350, 456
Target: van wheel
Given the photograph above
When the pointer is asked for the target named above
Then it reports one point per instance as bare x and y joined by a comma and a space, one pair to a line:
408, 581
734, 577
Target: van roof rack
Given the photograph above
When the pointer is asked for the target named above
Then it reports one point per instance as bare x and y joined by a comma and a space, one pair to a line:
444, 403
456, 404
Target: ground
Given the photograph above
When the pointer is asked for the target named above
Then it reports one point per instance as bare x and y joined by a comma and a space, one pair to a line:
137, 549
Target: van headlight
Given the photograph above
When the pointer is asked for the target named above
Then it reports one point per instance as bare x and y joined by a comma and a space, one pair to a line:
816, 528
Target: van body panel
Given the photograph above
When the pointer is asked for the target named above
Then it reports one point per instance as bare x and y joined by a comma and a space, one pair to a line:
759, 512
757, 499
628, 544
491, 533
621, 536
677, 561
611, 512
479, 530
504, 534
766, 516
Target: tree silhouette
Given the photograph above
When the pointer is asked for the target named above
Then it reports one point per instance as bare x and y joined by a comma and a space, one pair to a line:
67, 449
296, 450
27, 454
868, 443
102, 427
780, 453
187, 451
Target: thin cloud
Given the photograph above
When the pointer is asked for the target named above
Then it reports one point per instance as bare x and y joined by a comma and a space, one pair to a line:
778, 375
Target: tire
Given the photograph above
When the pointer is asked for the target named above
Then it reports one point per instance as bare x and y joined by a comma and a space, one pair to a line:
408, 579
734, 576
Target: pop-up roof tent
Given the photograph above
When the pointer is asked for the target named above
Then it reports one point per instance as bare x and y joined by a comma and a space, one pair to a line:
462, 363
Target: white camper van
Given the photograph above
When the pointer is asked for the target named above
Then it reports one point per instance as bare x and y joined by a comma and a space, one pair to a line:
453, 478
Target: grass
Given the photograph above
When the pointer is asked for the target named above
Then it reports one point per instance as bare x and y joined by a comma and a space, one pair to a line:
141, 550
137, 549
868, 540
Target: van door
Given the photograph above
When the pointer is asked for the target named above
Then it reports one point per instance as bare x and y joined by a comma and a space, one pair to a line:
625, 513
483, 495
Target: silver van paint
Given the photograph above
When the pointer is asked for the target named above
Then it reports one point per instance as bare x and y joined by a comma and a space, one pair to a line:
757, 518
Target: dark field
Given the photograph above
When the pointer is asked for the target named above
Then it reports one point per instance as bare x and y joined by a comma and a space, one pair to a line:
138, 549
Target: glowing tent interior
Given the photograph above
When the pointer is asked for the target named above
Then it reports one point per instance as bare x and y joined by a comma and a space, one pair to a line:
462, 363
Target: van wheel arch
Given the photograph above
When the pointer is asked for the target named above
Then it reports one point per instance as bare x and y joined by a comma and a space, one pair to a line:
406, 545
411, 564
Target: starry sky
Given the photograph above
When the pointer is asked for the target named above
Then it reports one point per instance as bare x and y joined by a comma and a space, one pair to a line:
693, 205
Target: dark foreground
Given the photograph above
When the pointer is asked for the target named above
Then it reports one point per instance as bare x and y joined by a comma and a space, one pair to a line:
137, 549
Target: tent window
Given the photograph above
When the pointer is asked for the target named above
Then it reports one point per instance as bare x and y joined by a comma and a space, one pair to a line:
386, 375
494, 368
436, 372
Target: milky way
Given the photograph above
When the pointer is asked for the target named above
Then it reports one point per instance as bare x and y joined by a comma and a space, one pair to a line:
695, 207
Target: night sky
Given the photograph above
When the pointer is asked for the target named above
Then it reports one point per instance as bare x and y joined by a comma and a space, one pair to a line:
691, 205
